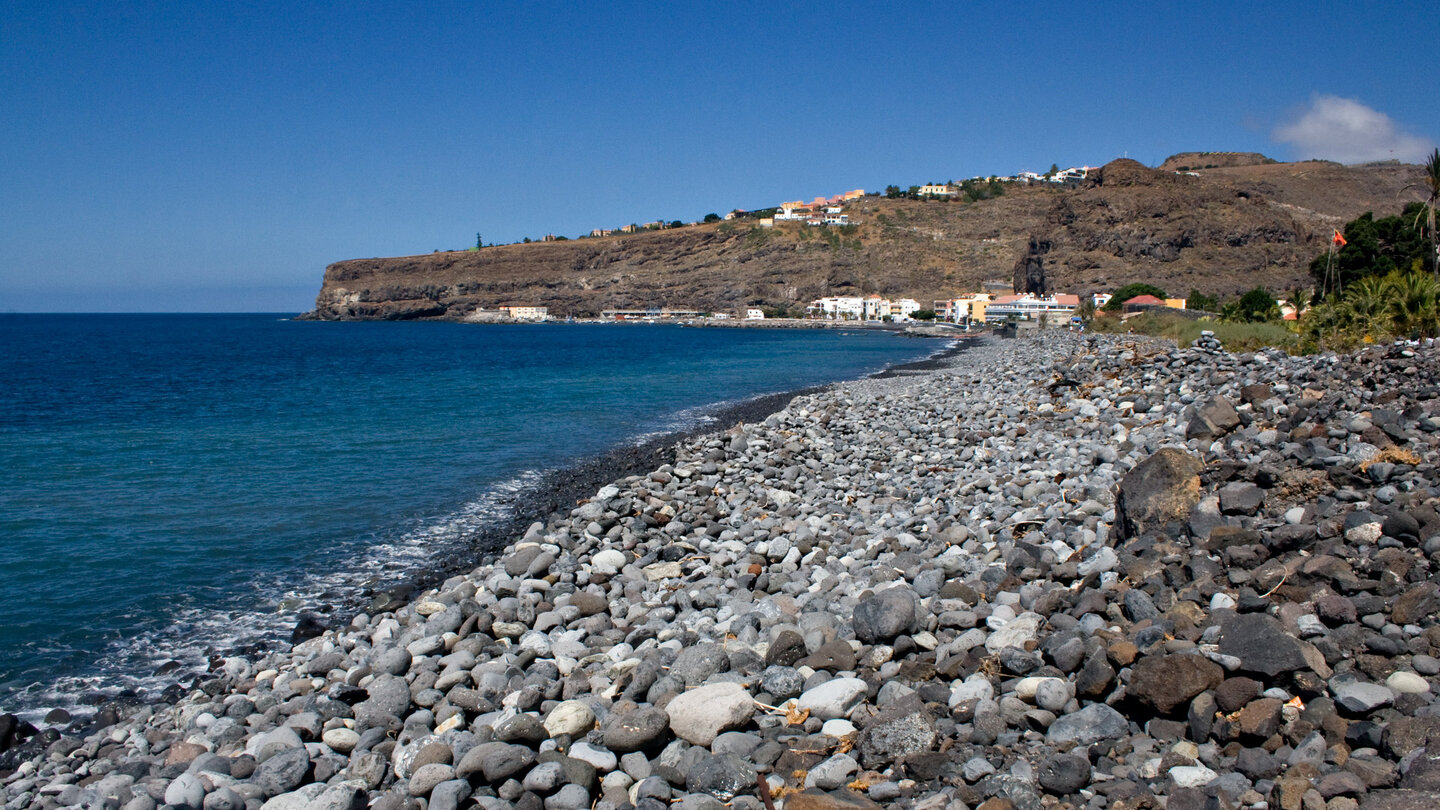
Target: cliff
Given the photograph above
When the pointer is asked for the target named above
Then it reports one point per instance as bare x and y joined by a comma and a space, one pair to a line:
1220, 230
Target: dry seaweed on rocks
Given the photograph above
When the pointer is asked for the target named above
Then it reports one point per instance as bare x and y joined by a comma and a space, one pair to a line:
1182, 579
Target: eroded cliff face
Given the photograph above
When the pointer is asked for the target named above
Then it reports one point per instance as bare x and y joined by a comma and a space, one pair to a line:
1223, 231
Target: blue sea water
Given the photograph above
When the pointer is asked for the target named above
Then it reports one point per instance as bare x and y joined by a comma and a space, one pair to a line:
172, 486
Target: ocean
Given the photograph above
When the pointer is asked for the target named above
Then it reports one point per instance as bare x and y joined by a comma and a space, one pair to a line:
178, 486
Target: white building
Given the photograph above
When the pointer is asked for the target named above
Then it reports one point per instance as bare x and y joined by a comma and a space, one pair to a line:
1056, 309
904, 309
754, 314
844, 308
791, 212
876, 308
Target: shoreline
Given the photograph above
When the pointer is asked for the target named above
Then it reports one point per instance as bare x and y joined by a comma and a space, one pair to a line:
1183, 578
556, 491
560, 490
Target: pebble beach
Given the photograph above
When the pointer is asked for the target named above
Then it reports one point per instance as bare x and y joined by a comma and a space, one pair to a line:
1063, 570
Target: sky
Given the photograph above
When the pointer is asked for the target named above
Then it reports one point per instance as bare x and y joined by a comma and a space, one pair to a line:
215, 157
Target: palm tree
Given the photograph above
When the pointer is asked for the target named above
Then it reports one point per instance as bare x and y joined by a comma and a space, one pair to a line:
1366, 305
1414, 298
1431, 182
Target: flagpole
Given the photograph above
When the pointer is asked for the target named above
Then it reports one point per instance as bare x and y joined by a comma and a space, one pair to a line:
1329, 263
1336, 241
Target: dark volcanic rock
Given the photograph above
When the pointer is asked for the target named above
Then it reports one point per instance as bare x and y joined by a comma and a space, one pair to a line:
635, 730
1160, 490
1261, 644
900, 730
495, 761
1213, 419
1417, 603
282, 772
1167, 683
1063, 773
787, 648
1091, 724
721, 776
834, 656
885, 615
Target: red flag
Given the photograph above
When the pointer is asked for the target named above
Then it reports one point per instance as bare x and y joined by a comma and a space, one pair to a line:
1338, 241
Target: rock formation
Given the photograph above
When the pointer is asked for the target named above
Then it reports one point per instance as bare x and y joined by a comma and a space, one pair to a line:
1030, 269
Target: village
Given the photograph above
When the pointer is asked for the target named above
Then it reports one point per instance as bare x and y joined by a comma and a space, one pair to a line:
970, 310
995, 305
827, 211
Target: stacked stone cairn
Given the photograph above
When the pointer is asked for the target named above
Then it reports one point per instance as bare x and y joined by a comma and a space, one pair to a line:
1064, 571
1207, 342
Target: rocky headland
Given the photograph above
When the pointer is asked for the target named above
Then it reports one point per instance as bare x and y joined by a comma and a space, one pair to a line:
1056, 571
1239, 222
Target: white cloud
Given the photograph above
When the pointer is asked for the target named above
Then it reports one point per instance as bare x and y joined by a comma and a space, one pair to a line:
1346, 131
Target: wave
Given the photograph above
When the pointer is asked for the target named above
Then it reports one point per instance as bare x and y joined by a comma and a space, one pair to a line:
260, 613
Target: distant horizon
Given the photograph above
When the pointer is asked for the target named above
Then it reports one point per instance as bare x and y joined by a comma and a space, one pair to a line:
217, 158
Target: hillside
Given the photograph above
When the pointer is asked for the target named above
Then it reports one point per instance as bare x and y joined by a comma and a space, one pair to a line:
1221, 230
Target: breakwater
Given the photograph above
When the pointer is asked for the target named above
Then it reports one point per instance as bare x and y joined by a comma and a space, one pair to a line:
1060, 569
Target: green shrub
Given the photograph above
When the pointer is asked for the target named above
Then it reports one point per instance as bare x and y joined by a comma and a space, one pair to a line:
1256, 306
1236, 337
1376, 309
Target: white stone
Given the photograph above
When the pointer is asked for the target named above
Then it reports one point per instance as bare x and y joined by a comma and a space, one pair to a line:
662, 570
508, 629
571, 717
300, 799
1015, 632
603, 759
341, 740
1104, 560
975, 687
699, 715
838, 728
608, 562
1222, 601
1192, 776
537, 642
834, 698
1407, 683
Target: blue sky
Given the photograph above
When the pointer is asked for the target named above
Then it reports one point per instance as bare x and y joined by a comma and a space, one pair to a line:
216, 156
